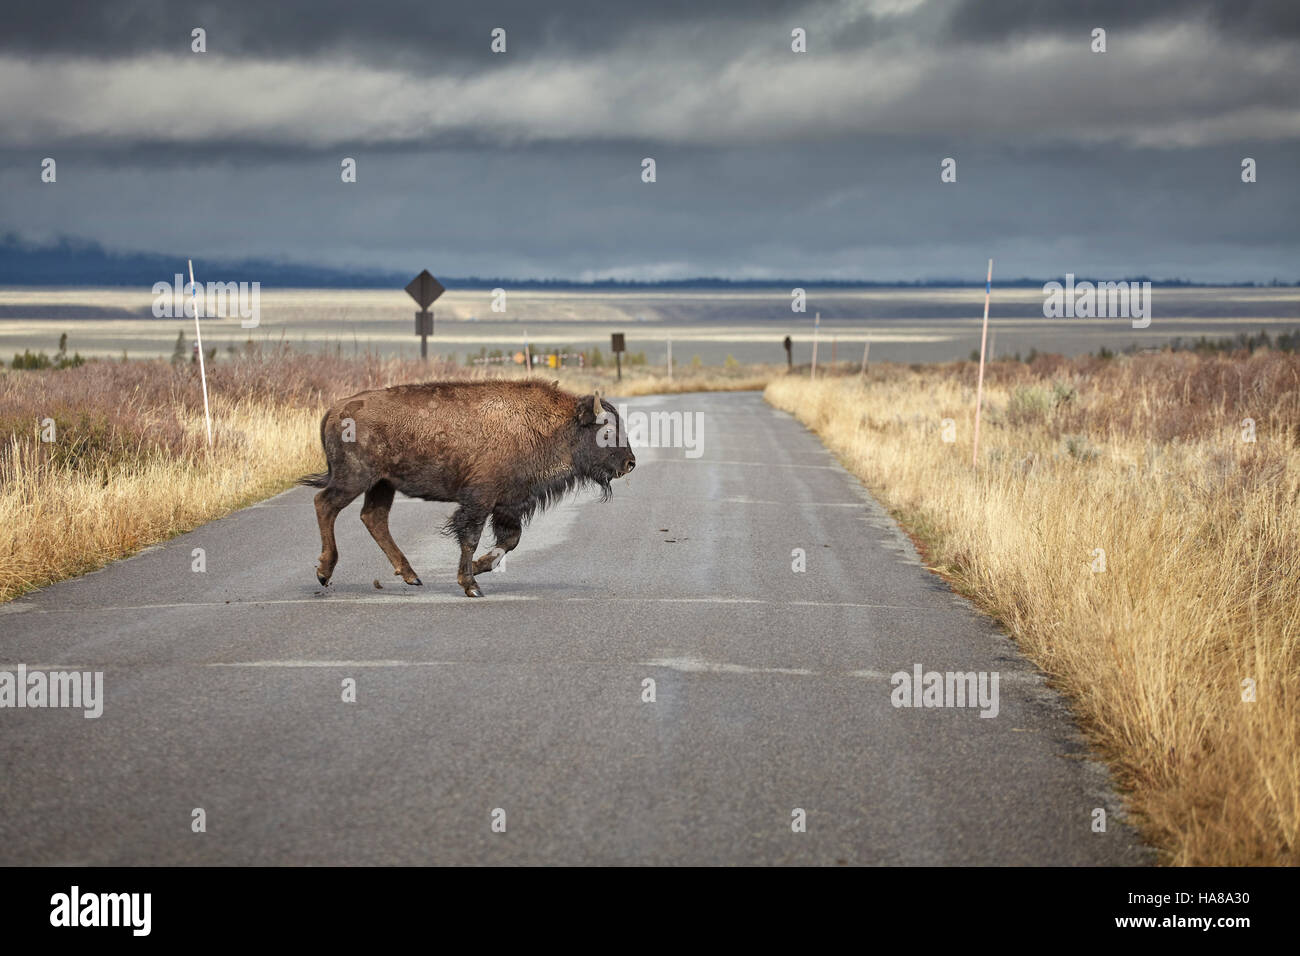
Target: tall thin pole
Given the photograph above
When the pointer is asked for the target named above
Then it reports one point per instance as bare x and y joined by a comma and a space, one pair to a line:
198, 337
528, 353
979, 390
670, 358
865, 352
816, 322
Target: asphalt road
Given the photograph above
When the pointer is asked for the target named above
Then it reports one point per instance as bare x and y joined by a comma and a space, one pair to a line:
223, 690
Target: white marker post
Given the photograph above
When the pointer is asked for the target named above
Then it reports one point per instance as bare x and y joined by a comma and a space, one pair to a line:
979, 390
866, 350
198, 337
817, 321
670, 358
528, 354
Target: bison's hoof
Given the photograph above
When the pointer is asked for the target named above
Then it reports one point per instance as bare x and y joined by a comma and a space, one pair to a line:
473, 591
323, 579
489, 561
413, 581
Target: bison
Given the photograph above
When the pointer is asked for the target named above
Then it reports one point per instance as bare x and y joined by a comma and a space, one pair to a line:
498, 449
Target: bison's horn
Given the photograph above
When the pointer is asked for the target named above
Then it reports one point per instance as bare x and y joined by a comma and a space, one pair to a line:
595, 403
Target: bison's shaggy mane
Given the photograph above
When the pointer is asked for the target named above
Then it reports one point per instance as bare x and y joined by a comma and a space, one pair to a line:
544, 494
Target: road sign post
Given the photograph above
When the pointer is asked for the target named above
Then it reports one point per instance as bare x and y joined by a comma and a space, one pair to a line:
617, 346
979, 389
198, 345
789, 356
424, 289
817, 321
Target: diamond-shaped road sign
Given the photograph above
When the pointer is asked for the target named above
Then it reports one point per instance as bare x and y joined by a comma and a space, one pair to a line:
424, 288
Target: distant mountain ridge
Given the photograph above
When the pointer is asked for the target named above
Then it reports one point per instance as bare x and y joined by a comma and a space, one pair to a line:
79, 262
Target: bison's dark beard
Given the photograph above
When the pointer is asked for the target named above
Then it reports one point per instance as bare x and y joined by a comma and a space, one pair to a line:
602, 476
543, 494
602, 479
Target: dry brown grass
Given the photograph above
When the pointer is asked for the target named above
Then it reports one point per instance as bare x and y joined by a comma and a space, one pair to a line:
654, 380
130, 465
1144, 458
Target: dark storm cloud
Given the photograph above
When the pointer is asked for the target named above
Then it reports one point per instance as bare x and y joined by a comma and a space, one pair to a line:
873, 210
1186, 88
989, 19
412, 32
770, 164
422, 35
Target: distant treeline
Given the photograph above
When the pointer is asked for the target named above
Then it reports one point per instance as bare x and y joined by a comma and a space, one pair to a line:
74, 262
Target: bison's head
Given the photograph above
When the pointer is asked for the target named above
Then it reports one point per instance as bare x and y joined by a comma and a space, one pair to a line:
603, 453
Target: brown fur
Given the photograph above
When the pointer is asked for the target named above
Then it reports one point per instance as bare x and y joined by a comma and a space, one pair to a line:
498, 449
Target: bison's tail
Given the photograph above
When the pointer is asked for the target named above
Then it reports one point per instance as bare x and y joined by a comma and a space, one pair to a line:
323, 479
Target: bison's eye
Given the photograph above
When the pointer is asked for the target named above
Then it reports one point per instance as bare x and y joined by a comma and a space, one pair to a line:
607, 437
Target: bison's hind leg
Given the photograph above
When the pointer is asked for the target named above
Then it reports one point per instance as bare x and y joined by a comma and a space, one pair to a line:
374, 515
328, 505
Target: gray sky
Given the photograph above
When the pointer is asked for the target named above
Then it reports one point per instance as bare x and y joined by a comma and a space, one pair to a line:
769, 163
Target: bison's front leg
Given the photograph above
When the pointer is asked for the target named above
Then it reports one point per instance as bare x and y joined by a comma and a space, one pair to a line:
467, 524
506, 529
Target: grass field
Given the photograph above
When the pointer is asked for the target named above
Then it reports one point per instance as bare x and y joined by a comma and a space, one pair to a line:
129, 465
1144, 462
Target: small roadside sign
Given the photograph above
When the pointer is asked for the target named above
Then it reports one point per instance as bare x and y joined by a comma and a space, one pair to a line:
424, 289
618, 347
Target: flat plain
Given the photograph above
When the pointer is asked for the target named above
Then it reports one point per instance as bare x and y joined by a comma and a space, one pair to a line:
902, 324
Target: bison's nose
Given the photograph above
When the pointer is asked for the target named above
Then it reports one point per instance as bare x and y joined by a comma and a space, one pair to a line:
629, 465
